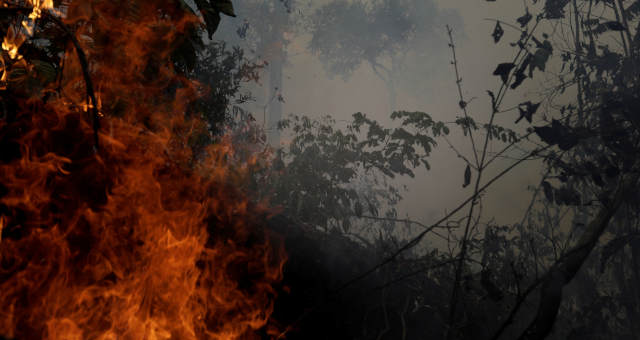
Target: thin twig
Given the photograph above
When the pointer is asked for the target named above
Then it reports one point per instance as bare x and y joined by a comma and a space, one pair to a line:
463, 104
416, 240
481, 166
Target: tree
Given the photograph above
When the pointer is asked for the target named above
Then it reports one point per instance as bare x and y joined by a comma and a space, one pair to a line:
594, 154
382, 34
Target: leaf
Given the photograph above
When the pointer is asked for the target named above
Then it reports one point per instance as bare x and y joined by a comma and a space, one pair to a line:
467, 176
520, 74
225, 7
210, 15
520, 77
540, 57
549, 134
498, 32
524, 20
503, 71
615, 26
527, 109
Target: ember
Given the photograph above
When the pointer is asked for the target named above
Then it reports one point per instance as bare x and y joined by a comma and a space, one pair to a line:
138, 238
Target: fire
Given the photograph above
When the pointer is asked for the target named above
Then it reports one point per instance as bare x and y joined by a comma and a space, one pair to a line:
141, 238
16, 37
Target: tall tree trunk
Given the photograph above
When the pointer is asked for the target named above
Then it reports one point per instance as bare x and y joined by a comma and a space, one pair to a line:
275, 95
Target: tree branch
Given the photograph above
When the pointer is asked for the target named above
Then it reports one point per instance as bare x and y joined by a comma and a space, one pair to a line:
565, 268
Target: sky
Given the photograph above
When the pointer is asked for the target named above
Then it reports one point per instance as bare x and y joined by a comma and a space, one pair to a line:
309, 90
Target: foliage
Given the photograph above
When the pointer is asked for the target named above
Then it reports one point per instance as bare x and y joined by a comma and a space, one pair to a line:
221, 73
590, 165
328, 177
347, 33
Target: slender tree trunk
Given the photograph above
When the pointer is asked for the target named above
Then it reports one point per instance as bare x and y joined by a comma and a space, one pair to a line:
276, 57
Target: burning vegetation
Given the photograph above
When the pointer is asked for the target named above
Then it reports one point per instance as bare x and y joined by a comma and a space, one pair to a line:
113, 226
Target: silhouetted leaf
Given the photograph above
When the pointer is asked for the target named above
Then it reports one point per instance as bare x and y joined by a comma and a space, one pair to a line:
520, 73
498, 32
614, 26
524, 20
225, 7
520, 77
557, 134
467, 176
527, 109
503, 71
210, 15
541, 56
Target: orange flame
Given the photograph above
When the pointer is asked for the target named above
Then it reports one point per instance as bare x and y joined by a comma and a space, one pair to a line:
138, 240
